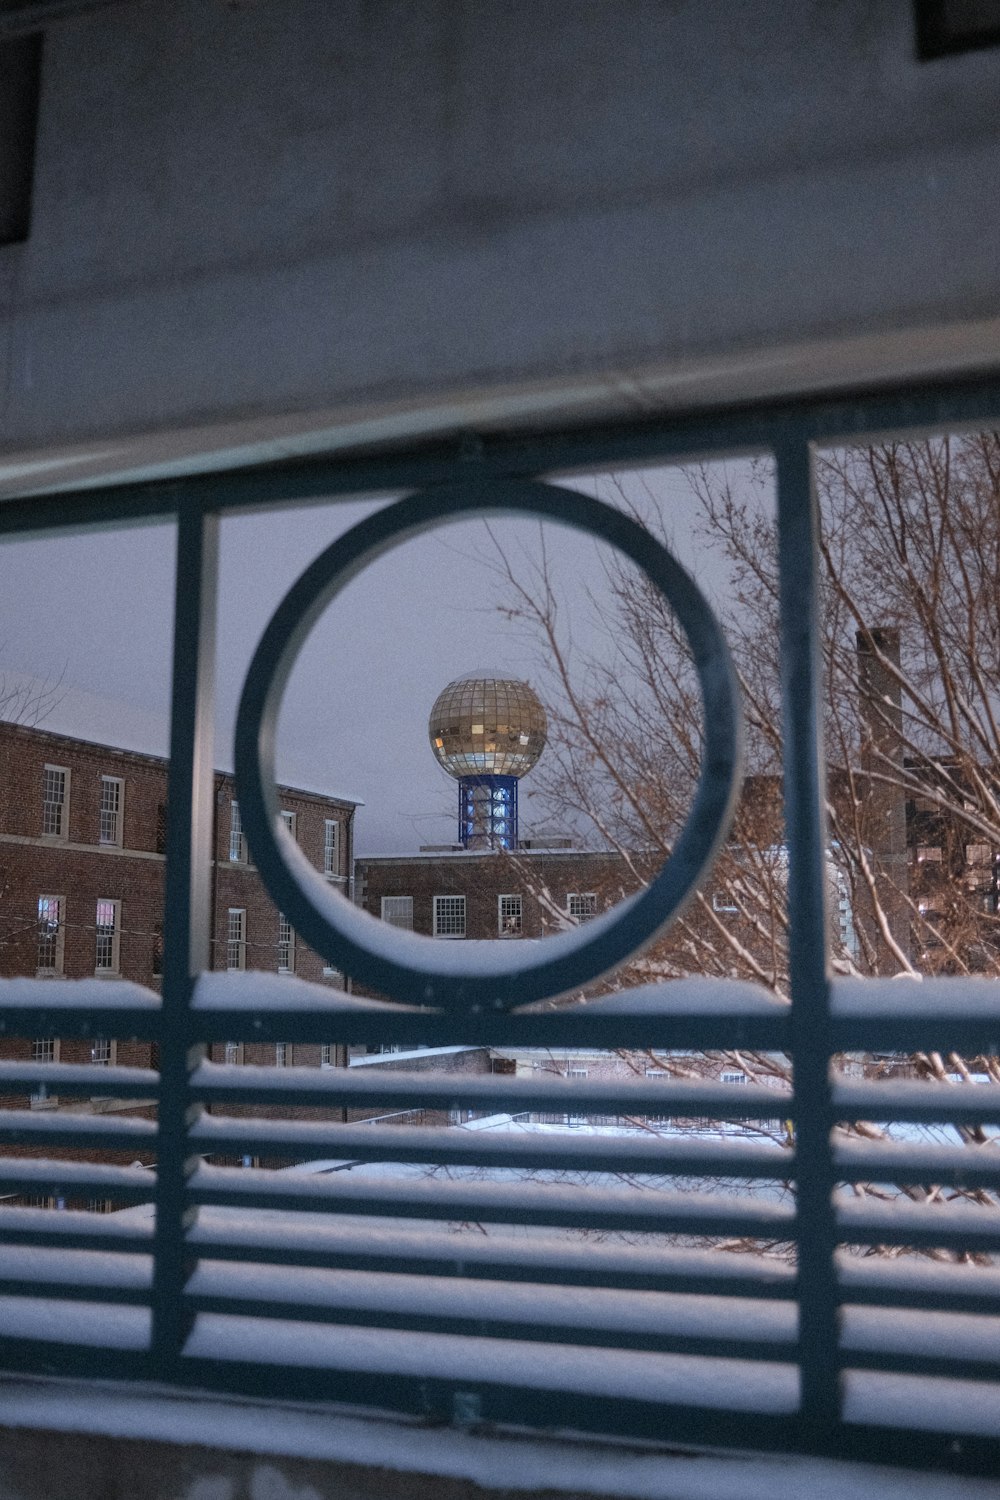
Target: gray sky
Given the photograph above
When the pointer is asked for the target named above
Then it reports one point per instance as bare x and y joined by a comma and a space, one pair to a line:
96, 610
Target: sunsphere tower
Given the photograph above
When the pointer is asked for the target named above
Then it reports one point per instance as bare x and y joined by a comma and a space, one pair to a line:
487, 731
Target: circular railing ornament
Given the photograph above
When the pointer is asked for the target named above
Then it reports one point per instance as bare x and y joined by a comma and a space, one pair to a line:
461, 977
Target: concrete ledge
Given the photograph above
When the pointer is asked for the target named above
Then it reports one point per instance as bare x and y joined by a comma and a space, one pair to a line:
107, 1441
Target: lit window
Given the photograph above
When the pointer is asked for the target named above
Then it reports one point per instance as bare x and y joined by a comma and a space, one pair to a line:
237, 843
281, 1054
112, 809
508, 914
100, 1052
288, 818
286, 946
331, 847
55, 802
236, 940
107, 937
398, 911
449, 916
582, 907
50, 934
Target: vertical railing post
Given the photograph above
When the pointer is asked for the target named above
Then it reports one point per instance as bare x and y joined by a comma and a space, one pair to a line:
805, 815
187, 913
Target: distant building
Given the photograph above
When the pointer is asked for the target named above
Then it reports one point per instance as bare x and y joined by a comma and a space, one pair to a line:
83, 832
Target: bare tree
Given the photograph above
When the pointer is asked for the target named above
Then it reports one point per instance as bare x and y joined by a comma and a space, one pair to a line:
911, 638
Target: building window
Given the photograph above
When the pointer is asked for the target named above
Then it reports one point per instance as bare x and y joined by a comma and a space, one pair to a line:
449, 916
108, 928
55, 802
101, 1052
336, 976
723, 901
929, 854
326, 1056
281, 1054
734, 1077
398, 911
331, 847
582, 907
43, 1050
50, 934
112, 809
231, 1055
508, 915
576, 1072
237, 843
286, 946
236, 938
289, 819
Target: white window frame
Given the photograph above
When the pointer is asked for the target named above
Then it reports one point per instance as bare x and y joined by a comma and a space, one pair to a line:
45, 905
734, 1077
232, 1054
237, 838
111, 816
55, 810
286, 945
586, 904
44, 1050
396, 917
510, 915
291, 821
448, 910
331, 848
103, 1052
327, 1056
106, 932
281, 1059
236, 938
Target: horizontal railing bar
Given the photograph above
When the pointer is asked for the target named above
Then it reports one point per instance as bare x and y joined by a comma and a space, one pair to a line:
58, 1178
78, 1229
581, 1207
613, 1319
59, 1291
924, 1342
953, 1226
78, 1079
75, 1268
376, 1086
917, 1102
106, 1326
287, 1240
680, 1032
751, 1386
950, 1287
66, 1128
719, 430
905, 1164
442, 1145
95, 1021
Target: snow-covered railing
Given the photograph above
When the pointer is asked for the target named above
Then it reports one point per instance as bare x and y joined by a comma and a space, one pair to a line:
721, 1290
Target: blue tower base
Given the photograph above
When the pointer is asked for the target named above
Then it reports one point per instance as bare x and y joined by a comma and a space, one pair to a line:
487, 812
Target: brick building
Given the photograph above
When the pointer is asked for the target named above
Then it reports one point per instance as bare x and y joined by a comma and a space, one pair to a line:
82, 860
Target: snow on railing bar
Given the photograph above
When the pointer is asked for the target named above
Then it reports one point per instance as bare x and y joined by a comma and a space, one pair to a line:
78, 1080
462, 1200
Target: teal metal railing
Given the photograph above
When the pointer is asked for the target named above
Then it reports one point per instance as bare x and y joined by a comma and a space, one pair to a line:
358, 1286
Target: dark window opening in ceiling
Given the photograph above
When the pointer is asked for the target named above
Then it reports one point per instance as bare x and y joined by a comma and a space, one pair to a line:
948, 26
20, 74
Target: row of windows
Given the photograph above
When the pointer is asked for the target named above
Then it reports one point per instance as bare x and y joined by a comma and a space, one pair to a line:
46, 1050
111, 819
236, 944
450, 913
52, 934
238, 853
55, 806
233, 1054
